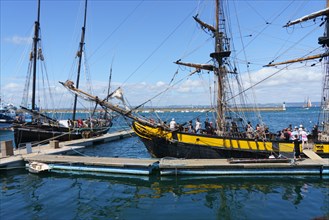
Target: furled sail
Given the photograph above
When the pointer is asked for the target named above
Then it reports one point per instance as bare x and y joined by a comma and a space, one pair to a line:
322, 40
308, 17
128, 113
299, 59
205, 25
197, 66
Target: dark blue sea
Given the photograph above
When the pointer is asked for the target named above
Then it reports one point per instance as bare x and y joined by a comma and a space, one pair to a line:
90, 196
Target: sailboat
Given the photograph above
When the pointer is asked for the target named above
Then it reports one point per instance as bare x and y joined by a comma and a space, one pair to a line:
232, 136
308, 103
43, 128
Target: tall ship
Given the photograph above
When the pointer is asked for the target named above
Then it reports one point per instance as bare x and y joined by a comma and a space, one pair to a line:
42, 128
232, 135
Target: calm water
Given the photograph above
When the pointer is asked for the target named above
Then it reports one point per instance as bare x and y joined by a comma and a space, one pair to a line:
86, 196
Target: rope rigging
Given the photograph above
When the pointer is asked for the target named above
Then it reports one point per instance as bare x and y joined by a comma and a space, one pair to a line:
117, 28
157, 48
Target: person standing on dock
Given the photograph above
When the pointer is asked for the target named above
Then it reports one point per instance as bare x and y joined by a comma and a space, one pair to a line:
296, 142
303, 137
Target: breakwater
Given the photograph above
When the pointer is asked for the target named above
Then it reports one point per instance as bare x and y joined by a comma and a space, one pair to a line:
169, 109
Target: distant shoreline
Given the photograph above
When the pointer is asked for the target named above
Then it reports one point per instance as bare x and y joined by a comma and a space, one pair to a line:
167, 109
208, 109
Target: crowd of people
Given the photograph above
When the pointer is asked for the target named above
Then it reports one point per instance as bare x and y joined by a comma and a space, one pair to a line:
297, 135
88, 123
300, 133
197, 129
260, 132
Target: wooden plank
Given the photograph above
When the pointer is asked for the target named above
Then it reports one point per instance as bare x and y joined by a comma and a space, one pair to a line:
97, 161
221, 163
223, 167
191, 163
67, 146
312, 155
212, 163
100, 139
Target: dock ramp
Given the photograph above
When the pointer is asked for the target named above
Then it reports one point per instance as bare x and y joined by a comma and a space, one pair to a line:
312, 155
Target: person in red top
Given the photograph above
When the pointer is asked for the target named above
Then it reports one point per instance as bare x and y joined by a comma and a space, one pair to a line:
80, 123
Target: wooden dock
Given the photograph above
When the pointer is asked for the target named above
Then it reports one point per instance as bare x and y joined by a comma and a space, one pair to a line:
96, 164
226, 167
49, 155
67, 147
182, 166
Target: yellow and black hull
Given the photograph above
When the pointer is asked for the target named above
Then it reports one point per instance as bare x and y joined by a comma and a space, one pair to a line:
161, 143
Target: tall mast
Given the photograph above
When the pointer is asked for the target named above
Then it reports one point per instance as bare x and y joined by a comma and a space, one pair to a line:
324, 41
35, 56
109, 86
222, 51
220, 71
79, 54
108, 93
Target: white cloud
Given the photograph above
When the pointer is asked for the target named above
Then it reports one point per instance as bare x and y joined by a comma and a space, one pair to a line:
291, 85
286, 86
189, 86
19, 40
12, 87
160, 84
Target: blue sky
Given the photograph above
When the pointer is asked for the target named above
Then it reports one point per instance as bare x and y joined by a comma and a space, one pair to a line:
140, 40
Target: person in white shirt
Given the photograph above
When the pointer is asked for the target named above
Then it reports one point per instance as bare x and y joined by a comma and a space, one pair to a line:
172, 124
295, 132
198, 126
303, 136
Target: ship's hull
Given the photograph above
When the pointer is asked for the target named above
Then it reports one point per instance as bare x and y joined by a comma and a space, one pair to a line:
162, 143
43, 133
5, 119
159, 148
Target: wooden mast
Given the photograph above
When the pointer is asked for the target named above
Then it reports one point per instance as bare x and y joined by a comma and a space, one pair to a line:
108, 93
79, 54
220, 54
325, 89
35, 55
222, 51
219, 73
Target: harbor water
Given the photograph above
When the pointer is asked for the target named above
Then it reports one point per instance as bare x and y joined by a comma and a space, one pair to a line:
90, 196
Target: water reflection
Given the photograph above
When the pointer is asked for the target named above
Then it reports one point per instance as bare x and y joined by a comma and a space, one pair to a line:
85, 196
